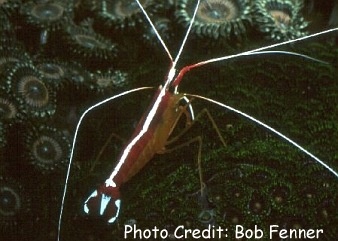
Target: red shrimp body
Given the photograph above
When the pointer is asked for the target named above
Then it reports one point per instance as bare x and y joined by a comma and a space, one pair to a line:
149, 138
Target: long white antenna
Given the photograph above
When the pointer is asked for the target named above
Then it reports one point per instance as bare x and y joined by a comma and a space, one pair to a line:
187, 34
288, 53
265, 47
160, 38
256, 51
155, 30
269, 128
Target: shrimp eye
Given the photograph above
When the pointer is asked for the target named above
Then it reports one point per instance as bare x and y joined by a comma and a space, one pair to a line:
104, 203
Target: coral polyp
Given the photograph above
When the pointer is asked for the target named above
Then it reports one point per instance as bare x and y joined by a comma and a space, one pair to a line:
9, 6
216, 18
280, 193
26, 84
259, 205
34, 92
12, 54
49, 15
207, 217
103, 81
47, 148
14, 204
52, 71
77, 75
164, 26
8, 108
86, 43
233, 216
280, 19
5, 24
122, 14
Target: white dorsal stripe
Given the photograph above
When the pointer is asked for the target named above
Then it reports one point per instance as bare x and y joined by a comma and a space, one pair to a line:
110, 183
154, 108
269, 128
144, 129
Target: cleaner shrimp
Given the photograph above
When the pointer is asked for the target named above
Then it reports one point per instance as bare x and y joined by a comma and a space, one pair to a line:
247, 172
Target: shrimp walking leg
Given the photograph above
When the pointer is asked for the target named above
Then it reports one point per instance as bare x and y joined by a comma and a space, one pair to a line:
199, 141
